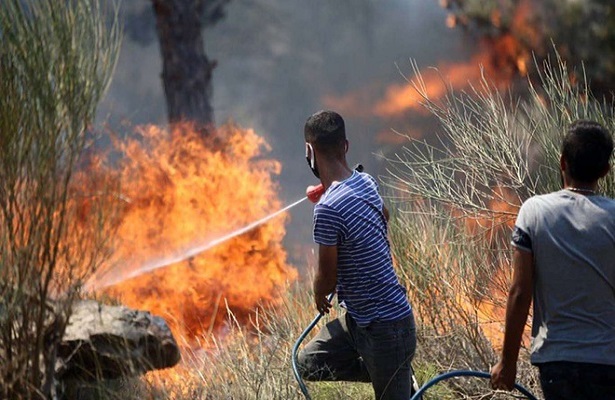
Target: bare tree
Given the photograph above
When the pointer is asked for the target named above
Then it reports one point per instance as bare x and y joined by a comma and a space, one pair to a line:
186, 69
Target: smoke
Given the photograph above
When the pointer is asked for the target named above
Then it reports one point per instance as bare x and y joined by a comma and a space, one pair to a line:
278, 60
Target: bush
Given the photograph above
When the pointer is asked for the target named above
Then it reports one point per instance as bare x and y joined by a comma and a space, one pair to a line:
55, 64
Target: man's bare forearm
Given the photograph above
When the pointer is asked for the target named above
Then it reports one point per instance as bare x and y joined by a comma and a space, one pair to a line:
323, 286
517, 310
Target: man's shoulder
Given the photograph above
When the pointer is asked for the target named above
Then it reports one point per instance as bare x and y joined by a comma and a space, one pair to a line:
539, 205
606, 202
562, 202
364, 183
355, 186
367, 176
563, 196
536, 200
544, 199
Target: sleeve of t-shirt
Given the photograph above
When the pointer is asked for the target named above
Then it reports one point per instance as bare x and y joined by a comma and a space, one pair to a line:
522, 232
328, 225
373, 181
379, 203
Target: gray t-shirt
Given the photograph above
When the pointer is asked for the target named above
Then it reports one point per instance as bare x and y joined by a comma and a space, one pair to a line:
572, 238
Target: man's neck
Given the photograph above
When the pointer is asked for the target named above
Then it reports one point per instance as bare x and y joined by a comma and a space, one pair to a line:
580, 187
335, 171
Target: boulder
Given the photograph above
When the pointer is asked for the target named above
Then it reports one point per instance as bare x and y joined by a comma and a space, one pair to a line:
109, 342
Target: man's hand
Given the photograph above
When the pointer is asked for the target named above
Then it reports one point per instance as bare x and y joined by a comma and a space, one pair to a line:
322, 303
503, 376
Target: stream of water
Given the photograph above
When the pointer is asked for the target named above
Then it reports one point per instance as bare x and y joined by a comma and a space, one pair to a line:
110, 278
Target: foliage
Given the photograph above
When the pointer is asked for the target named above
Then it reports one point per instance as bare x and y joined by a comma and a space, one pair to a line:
55, 64
583, 30
496, 151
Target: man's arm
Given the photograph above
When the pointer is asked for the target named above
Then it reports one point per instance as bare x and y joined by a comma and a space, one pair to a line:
517, 308
326, 277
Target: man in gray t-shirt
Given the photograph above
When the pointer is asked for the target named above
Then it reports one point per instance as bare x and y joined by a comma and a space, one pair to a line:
564, 258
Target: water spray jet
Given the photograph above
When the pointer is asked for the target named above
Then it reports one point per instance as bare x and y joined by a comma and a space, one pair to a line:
100, 282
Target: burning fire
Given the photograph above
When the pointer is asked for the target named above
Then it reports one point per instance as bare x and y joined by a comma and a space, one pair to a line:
500, 61
182, 190
494, 227
399, 100
502, 55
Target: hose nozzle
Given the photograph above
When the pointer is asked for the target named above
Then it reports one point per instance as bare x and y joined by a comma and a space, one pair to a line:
313, 192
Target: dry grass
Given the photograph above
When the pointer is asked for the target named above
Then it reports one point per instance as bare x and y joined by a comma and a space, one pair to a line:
250, 362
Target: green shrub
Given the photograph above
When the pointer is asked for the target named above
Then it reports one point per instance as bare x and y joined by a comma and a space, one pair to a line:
55, 64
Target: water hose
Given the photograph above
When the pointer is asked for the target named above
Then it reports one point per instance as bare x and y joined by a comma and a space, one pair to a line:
479, 374
307, 330
295, 351
418, 394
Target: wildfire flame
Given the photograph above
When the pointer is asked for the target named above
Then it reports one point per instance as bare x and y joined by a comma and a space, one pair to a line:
495, 227
182, 189
501, 57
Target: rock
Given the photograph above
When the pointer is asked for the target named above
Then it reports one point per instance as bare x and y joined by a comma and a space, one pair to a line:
109, 342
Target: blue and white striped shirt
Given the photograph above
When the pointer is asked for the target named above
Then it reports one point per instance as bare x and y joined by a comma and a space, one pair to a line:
350, 216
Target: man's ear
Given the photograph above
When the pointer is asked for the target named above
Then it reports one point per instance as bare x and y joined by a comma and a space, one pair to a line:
346, 146
606, 170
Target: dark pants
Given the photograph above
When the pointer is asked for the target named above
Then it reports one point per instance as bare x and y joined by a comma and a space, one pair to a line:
564, 380
379, 353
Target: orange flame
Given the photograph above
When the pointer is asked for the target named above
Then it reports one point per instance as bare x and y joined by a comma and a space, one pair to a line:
495, 227
183, 189
501, 58
398, 99
508, 60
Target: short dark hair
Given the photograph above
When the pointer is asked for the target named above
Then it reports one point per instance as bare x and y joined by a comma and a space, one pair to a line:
587, 149
326, 131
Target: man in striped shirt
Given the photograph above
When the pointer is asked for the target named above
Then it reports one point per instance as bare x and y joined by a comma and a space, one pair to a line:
374, 340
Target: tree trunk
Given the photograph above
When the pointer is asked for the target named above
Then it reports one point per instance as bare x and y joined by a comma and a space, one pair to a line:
186, 70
